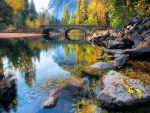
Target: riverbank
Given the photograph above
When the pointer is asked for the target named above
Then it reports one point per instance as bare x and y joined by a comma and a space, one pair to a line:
16, 35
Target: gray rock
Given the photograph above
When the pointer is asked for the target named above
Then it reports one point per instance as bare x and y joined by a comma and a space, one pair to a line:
116, 96
116, 45
51, 101
145, 33
147, 38
117, 51
121, 60
64, 96
137, 39
102, 65
133, 53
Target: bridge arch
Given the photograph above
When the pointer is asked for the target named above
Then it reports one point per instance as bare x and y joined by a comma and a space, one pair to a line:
47, 30
66, 32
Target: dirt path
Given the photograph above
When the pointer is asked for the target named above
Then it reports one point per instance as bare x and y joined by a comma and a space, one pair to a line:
17, 35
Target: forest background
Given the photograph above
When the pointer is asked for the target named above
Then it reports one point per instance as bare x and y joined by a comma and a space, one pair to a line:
22, 14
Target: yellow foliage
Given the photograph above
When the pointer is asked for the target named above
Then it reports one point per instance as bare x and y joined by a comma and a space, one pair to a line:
90, 109
15, 4
37, 22
29, 23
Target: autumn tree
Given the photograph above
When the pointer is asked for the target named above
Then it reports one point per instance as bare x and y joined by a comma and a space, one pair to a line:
81, 13
92, 15
16, 5
37, 22
6, 14
143, 7
72, 19
65, 15
78, 12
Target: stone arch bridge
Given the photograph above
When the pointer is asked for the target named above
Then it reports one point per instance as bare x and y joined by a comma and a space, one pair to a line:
65, 28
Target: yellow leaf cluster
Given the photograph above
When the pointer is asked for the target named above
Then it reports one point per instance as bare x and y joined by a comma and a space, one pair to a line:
37, 22
29, 23
15, 4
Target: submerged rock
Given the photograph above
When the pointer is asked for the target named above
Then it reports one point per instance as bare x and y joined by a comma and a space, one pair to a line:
64, 96
51, 101
120, 91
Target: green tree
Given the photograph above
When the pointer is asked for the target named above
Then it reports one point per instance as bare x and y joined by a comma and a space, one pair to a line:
32, 10
65, 15
121, 12
6, 14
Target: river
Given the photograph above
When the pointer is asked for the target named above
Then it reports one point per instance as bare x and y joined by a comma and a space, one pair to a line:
31, 67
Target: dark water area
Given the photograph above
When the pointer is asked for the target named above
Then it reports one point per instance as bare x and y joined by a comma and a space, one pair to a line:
31, 67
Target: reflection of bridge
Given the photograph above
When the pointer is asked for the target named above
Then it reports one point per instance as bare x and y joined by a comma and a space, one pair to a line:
65, 28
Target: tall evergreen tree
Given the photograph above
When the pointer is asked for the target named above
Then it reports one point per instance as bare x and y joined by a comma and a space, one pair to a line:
33, 11
65, 15
26, 7
6, 13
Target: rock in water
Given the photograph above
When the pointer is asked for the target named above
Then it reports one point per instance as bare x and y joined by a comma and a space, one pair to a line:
51, 101
120, 91
102, 65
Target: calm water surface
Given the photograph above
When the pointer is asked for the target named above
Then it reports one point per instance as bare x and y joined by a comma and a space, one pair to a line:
31, 67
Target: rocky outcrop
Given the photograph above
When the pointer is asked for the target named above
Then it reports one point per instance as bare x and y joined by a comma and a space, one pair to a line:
137, 30
120, 91
132, 41
137, 52
119, 60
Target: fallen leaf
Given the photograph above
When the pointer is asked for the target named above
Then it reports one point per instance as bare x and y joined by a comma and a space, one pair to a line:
114, 83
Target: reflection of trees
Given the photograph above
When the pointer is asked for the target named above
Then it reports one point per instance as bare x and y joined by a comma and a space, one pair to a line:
20, 54
8, 93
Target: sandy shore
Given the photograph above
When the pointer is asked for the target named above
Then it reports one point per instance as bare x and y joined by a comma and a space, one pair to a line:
17, 35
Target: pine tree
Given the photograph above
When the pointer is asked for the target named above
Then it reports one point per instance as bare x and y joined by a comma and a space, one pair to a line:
65, 15
6, 13
26, 7
33, 11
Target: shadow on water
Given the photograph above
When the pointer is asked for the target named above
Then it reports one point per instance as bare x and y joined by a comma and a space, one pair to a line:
8, 94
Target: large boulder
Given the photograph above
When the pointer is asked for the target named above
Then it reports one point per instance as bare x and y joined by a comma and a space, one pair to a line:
120, 91
116, 45
147, 38
102, 65
137, 38
137, 52
121, 59
114, 51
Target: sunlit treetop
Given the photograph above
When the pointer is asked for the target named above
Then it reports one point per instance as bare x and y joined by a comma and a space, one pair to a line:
15, 4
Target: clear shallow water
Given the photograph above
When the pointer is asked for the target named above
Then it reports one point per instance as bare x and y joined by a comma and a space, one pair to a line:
31, 67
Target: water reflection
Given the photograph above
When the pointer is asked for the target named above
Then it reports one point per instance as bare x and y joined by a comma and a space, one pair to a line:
30, 67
